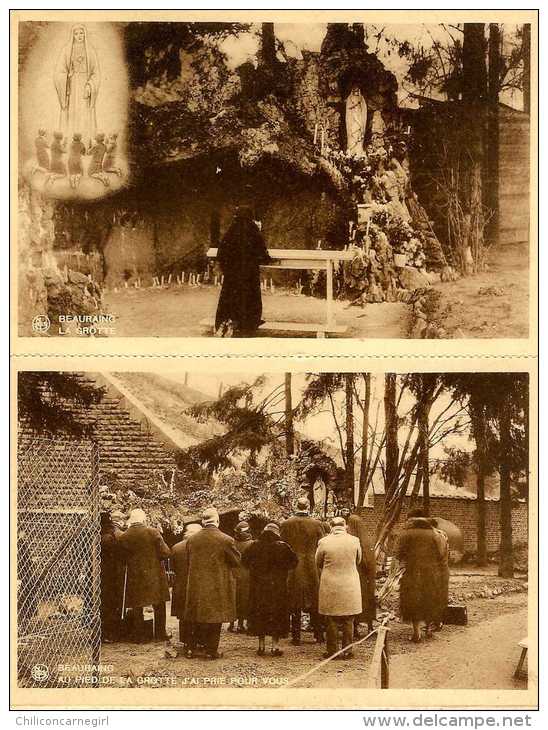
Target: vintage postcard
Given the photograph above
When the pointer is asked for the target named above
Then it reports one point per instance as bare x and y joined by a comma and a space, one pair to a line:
358, 176
255, 533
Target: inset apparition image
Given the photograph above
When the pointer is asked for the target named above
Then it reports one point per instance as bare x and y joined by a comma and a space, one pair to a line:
267, 529
274, 179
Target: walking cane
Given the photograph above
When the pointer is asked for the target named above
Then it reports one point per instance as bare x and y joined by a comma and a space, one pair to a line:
124, 621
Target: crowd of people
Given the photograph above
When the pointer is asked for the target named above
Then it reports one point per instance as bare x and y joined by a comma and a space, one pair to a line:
264, 586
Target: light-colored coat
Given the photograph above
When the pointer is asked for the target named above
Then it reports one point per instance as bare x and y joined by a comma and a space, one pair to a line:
337, 557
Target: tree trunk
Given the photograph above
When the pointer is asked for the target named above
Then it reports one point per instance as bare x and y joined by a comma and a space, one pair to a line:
479, 431
268, 44
495, 42
474, 92
391, 426
365, 440
474, 69
424, 461
526, 55
289, 431
506, 564
491, 187
349, 410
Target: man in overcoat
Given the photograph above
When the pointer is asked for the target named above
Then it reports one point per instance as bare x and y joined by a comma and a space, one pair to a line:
367, 569
340, 600
179, 564
143, 550
302, 532
211, 584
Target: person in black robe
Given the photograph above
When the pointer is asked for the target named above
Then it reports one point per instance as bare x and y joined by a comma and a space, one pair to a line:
241, 252
269, 560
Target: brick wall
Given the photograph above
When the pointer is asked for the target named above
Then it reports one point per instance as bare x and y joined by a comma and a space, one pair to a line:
463, 512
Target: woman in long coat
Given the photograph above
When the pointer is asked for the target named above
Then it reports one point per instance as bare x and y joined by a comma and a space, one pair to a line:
443, 547
269, 559
422, 583
240, 254
244, 539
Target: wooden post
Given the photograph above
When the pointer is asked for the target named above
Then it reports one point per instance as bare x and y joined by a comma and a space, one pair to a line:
377, 677
385, 664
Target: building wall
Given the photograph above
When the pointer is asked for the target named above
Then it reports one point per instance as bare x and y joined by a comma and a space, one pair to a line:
513, 171
463, 512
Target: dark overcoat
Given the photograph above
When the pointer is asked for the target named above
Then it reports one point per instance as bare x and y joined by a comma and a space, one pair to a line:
143, 550
268, 560
112, 573
367, 568
240, 254
303, 533
179, 565
211, 585
443, 547
422, 583
242, 580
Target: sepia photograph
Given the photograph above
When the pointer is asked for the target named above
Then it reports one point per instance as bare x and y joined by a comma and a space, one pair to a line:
207, 529
275, 179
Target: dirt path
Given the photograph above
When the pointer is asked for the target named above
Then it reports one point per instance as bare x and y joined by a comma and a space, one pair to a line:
483, 656
178, 312
450, 659
494, 303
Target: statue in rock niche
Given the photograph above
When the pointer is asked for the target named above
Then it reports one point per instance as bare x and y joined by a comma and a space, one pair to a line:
356, 122
378, 128
77, 80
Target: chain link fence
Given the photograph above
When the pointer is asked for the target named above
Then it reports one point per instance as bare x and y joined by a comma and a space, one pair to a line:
58, 561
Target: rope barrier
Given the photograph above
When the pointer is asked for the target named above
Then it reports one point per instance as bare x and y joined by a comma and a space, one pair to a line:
315, 668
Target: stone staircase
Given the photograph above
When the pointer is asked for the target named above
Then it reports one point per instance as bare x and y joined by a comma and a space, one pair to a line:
127, 450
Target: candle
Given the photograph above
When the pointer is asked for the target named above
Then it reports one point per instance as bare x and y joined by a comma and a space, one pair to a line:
315, 133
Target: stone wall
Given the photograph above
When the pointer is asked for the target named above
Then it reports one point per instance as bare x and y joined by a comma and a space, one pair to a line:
44, 286
34, 256
463, 512
513, 176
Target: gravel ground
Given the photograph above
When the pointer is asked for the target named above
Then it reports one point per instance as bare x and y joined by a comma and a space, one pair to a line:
146, 665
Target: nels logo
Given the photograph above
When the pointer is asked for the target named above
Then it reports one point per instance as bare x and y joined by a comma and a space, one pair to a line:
39, 672
41, 323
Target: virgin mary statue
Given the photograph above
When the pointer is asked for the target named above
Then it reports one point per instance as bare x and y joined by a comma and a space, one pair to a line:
356, 120
77, 81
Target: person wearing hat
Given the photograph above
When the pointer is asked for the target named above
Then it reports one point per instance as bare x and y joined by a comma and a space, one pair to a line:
179, 564
269, 560
302, 532
211, 584
422, 586
340, 599
143, 551
243, 538
112, 579
367, 569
